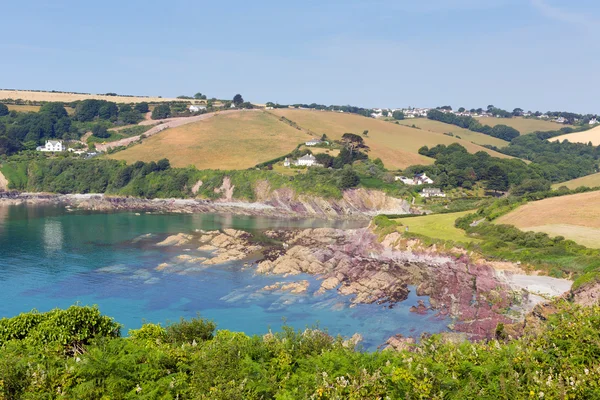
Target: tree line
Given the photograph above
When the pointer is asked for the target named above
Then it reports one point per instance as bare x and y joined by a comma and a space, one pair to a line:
503, 132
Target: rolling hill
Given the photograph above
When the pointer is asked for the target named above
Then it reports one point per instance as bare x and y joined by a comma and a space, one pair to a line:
244, 139
576, 217
236, 140
396, 145
440, 127
523, 125
592, 135
35, 96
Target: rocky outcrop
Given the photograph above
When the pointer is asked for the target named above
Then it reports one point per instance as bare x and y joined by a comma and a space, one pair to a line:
3, 183
587, 295
292, 287
176, 240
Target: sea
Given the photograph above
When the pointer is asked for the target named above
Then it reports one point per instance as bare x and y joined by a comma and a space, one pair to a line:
52, 257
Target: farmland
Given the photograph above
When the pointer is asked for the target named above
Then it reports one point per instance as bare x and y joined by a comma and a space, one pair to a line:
226, 141
523, 125
592, 135
35, 96
589, 181
396, 145
440, 127
437, 226
576, 217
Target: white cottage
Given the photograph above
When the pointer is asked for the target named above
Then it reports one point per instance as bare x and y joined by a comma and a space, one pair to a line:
313, 142
196, 108
52, 146
306, 161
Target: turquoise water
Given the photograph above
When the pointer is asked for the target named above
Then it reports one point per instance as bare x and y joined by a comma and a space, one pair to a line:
53, 258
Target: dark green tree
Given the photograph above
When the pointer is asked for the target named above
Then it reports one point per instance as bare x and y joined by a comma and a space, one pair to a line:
163, 164
142, 107
161, 111
3, 110
398, 115
100, 131
348, 179
54, 109
325, 159
238, 99
497, 179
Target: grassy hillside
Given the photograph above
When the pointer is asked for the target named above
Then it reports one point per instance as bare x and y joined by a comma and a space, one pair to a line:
589, 181
28, 108
396, 145
523, 125
440, 127
576, 217
592, 135
437, 226
233, 141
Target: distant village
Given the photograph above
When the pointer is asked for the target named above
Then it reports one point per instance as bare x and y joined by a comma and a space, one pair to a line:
410, 112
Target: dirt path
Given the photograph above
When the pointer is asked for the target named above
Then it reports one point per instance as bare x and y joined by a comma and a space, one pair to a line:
165, 124
3, 183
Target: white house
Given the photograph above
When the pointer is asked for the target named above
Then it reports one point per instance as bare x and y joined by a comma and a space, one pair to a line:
432, 192
593, 121
78, 152
52, 145
307, 161
196, 108
313, 142
405, 180
422, 179
286, 162
419, 179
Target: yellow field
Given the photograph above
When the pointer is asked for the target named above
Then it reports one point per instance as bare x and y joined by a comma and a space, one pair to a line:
523, 125
23, 108
440, 127
27, 108
437, 226
396, 145
592, 135
225, 141
589, 181
576, 217
69, 97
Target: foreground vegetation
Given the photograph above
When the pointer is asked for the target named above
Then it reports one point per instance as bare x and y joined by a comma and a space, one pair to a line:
78, 354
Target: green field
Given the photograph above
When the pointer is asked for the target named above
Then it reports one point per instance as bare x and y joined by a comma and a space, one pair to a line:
440, 127
437, 226
523, 125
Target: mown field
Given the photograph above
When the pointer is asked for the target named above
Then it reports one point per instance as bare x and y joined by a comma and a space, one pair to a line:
592, 135
396, 145
69, 97
437, 226
523, 125
576, 217
226, 141
440, 127
589, 181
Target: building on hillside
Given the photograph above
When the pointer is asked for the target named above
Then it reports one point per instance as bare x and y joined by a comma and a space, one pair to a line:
593, 121
405, 180
432, 192
422, 179
52, 146
314, 142
286, 162
306, 161
196, 108
561, 120
78, 152
418, 179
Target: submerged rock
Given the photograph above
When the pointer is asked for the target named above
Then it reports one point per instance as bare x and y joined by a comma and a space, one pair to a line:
176, 240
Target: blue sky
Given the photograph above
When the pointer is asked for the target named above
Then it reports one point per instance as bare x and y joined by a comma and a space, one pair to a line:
535, 54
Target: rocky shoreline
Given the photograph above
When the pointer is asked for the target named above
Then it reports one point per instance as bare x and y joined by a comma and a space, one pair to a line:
474, 297
281, 205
